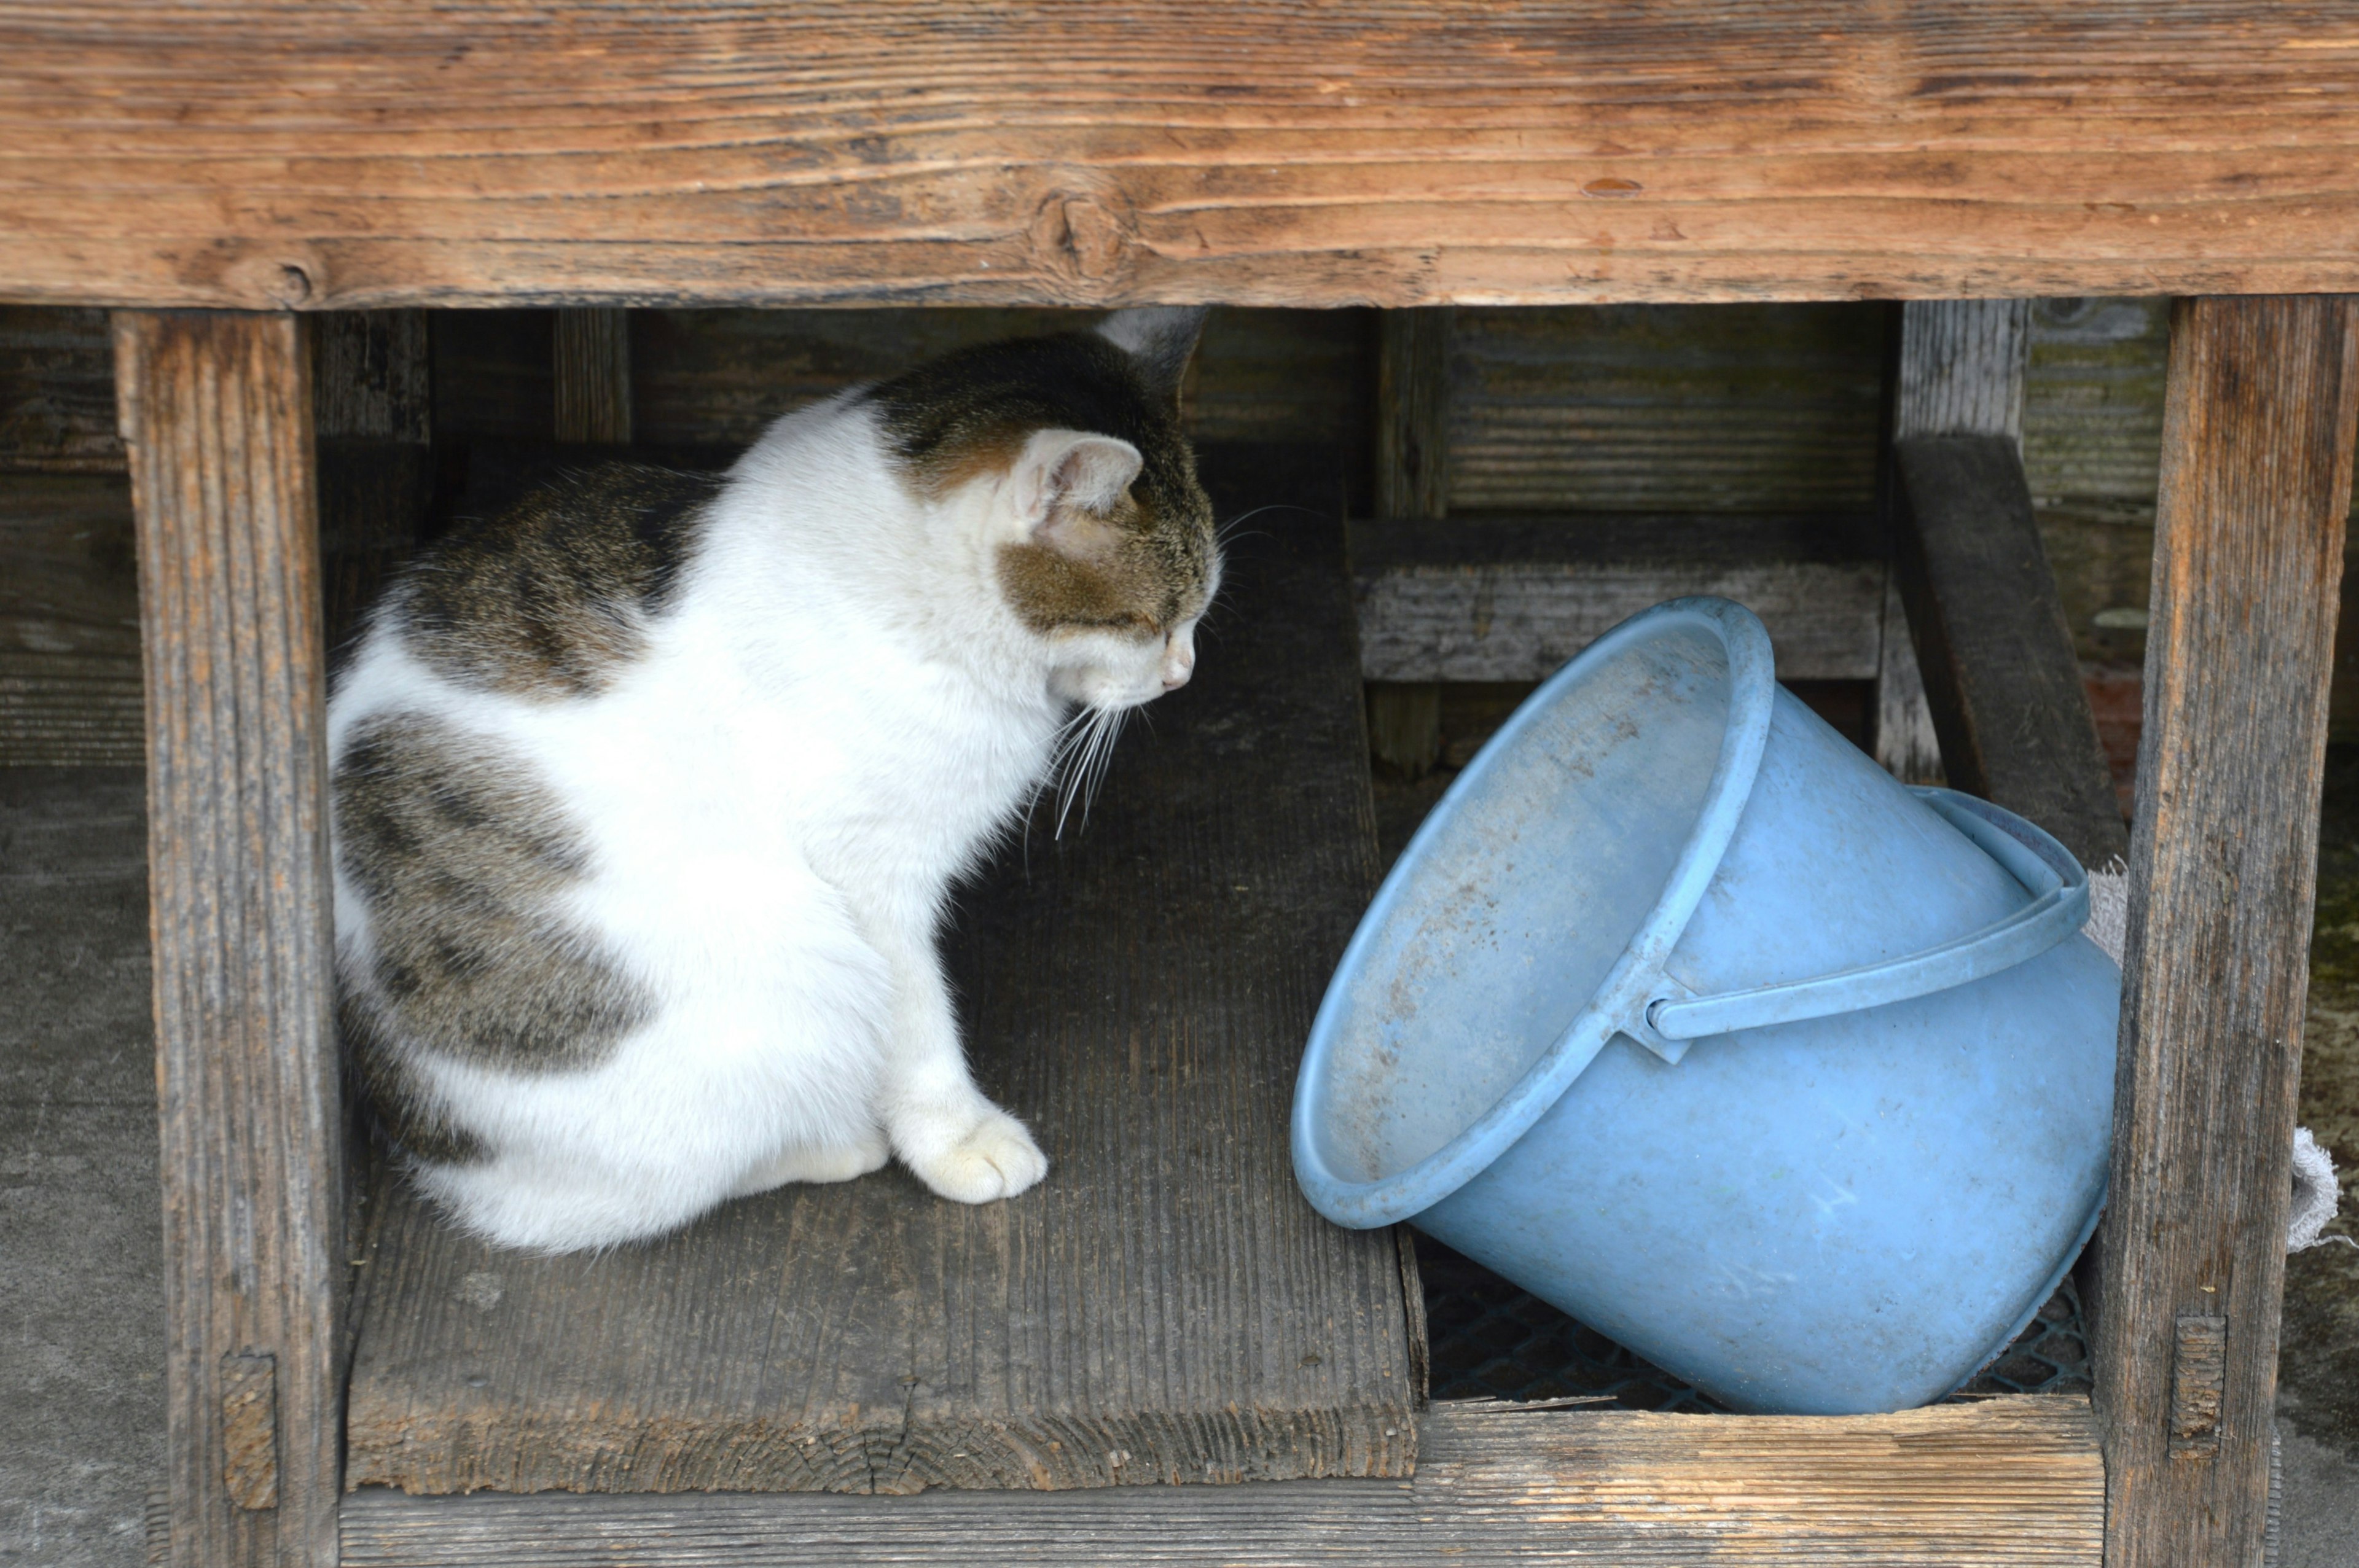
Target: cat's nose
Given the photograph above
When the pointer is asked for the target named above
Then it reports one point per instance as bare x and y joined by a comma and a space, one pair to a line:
1178, 663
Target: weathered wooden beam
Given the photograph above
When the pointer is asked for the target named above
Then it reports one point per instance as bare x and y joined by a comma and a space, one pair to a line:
217, 418
1512, 599
593, 377
1993, 651
374, 404
1412, 483
2010, 1481
1397, 153
2263, 402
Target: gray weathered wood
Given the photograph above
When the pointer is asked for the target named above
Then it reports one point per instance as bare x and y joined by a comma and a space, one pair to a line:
593, 369
1164, 1307
2011, 1481
1413, 413
373, 402
1906, 743
1413, 452
69, 621
1960, 371
1996, 658
2256, 483
1962, 367
216, 413
1511, 599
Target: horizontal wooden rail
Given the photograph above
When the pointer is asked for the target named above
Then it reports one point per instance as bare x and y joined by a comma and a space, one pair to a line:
1400, 152
2013, 1481
1511, 599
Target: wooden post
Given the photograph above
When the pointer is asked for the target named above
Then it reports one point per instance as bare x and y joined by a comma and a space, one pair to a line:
593, 377
373, 402
1412, 482
216, 414
2264, 394
1994, 652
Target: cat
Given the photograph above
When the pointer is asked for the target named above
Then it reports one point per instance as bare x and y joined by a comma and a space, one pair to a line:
648, 793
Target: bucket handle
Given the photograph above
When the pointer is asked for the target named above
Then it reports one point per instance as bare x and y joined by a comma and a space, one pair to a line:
2059, 907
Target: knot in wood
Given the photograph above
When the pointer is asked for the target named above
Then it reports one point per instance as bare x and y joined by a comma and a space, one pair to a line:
1080, 237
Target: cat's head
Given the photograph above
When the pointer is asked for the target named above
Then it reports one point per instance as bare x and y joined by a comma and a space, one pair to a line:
1066, 455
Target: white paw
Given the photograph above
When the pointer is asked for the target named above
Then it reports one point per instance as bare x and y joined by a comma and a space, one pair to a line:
968, 1160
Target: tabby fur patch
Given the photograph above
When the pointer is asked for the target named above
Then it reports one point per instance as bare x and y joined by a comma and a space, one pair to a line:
552, 597
462, 856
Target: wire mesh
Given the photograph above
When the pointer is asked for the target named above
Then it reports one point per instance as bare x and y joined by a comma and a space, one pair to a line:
1491, 1339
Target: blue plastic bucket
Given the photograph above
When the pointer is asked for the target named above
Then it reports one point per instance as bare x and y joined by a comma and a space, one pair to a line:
1684, 1015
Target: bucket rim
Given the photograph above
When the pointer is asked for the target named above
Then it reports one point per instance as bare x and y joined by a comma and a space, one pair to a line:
1408, 1193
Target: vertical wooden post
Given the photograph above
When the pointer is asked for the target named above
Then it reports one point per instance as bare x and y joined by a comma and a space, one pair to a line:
593, 376
1993, 651
2264, 395
216, 414
1960, 372
372, 396
1412, 482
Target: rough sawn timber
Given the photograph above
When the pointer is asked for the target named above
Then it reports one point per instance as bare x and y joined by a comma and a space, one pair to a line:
2263, 401
217, 421
2012, 1481
1164, 1307
282, 154
1490, 599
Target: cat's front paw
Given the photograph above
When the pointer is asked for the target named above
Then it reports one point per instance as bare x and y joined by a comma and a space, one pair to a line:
969, 1159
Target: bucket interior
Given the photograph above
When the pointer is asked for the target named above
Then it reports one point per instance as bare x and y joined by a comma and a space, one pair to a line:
1518, 897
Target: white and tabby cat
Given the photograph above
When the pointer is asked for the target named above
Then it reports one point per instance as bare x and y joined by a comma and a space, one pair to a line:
648, 793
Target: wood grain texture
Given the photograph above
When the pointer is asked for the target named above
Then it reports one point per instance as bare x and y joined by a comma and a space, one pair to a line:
1742, 408
216, 414
373, 402
1413, 445
371, 380
57, 391
70, 684
1165, 1307
2012, 1481
593, 373
1962, 365
1996, 658
1906, 745
1994, 653
1511, 599
1256, 151
2248, 551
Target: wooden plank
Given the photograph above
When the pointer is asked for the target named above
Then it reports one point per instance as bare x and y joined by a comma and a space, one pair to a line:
216, 413
1413, 460
1993, 651
592, 370
1164, 1307
1742, 408
69, 623
373, 397
1397, 153
57, 391
2013, 1481
2256, 484
1511, 599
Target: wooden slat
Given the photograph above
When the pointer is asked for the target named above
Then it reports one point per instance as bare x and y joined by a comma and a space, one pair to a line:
373, 399
69, 621
2256, 483
1164, 1306
1511, 599
1993, 651
1396, 153
1413, 461
57, 391
216, 414
2012, 1481
592, 371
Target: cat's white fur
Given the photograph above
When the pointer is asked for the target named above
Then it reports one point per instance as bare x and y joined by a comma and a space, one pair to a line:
833, 716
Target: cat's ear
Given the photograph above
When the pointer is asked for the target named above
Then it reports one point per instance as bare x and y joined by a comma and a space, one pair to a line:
1065, 482
1161, 337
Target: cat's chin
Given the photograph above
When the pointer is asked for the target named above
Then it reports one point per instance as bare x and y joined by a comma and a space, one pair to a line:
1102, 692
